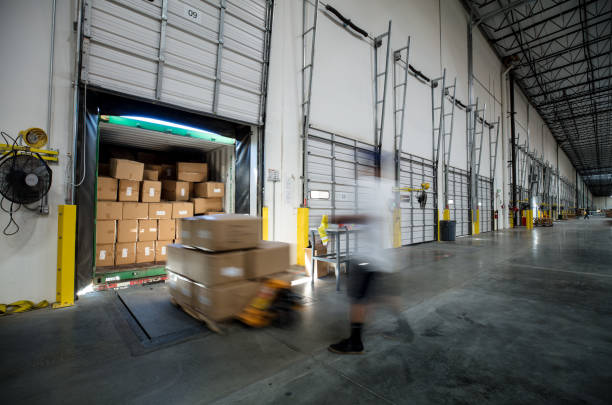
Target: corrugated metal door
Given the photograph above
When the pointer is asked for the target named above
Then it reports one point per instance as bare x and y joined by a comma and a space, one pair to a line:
417, 224
207, 56
485, 203
335, 165
458, 195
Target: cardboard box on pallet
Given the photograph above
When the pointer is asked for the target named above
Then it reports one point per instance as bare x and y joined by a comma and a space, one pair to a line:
150, 174
182, 210
168, 172
125, 253
193, 172
267, 258
127, 230
145, 252
209, 189
208, 268
150, 191
126, 169
106, 232
147, 230
221, 232
216, 303
160, 210
135, 210
173, 190
109, 210
204, 205
156, 168
107, 189
129, 190
178, 227
105, 255
161, 250
166, 229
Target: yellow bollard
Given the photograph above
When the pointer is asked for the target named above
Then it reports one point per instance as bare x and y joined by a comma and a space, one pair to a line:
264, 223
302, 234
66, 257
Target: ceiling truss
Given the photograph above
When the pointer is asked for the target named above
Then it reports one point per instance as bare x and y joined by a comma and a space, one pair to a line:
562, 56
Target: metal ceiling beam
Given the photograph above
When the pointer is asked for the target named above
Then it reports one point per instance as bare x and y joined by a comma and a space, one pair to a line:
544, 21
505, 9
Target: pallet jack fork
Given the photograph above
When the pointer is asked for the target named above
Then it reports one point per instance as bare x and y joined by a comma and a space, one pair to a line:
274, 304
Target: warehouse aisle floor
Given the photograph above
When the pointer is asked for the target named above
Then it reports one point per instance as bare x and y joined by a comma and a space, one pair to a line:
507, 317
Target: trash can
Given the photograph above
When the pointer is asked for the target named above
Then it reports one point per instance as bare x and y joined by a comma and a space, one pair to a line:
447, 230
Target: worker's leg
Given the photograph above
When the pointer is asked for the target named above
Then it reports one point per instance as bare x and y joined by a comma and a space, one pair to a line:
358, 284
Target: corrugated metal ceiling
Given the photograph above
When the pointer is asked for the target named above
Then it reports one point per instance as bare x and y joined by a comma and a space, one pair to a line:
153, 140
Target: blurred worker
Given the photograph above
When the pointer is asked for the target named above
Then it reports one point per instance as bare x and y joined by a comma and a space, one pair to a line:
371, 268
586, 214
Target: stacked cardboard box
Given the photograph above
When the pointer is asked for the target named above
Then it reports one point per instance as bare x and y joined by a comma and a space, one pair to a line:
217, 270
138, 208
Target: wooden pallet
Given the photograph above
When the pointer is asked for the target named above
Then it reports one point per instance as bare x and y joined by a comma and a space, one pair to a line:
210, 324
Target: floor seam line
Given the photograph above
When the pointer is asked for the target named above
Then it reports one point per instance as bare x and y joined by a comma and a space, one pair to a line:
561, 271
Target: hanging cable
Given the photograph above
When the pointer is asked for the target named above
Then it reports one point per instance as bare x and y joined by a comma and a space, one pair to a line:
84, 142
347, 22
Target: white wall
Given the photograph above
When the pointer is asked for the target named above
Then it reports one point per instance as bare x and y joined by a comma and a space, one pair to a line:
602, 203
29, 257
342, 98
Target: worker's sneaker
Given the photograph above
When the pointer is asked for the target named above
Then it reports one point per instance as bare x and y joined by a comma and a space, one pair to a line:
347, 346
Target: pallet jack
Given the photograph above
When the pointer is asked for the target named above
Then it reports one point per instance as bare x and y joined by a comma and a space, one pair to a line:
275, 304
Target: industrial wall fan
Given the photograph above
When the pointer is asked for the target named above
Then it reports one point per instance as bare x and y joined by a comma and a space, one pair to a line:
25, 178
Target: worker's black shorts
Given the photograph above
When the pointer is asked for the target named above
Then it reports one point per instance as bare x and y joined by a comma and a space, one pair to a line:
362, 279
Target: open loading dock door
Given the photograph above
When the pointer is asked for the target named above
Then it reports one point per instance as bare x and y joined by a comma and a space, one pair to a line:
459, 197
417, 224
335, 165
485, 203
102, 135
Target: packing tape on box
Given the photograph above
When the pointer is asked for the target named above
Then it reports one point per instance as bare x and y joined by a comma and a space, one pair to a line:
128, 191
232, 271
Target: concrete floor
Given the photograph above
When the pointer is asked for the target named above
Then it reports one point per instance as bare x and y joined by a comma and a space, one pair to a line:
507, 317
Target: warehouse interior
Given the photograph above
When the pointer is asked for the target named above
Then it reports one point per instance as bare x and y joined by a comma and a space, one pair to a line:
202, 199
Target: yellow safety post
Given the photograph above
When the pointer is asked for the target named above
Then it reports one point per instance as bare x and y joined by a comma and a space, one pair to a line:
66, 258
397, 228
477, 223
302, 234
264, 223
511, 219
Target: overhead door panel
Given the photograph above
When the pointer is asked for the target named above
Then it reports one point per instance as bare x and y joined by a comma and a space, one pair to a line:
458, 195
208, 56
485, 203
417, 224
335, 166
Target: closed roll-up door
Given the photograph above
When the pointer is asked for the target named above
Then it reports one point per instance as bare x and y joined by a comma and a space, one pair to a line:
417, 224
207, 56
485, 203
458, 195
335, 165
